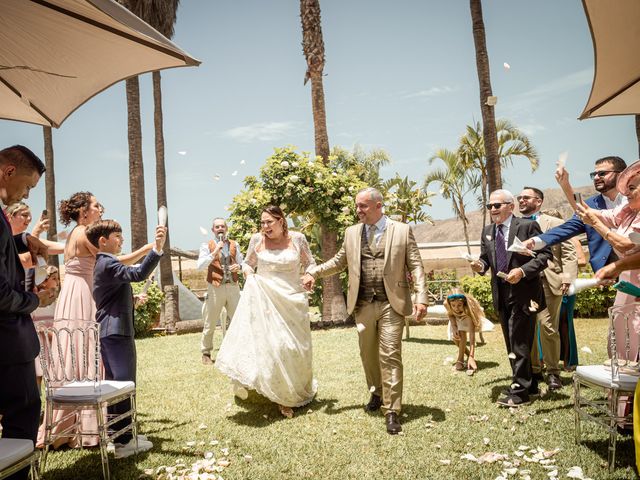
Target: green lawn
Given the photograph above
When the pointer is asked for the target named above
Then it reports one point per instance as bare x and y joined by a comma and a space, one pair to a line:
445, 415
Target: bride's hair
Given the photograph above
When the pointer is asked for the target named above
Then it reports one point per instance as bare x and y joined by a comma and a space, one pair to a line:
277, 213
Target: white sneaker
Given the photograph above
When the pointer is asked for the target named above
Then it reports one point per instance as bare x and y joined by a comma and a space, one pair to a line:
123, 451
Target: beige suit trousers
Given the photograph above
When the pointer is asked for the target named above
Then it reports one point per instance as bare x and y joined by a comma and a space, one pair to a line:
227, 295
547, 322
380, 337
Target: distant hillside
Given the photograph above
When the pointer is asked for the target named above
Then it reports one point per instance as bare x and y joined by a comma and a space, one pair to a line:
450, 230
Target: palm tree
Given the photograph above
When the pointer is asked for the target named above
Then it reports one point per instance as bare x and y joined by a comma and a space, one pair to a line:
333, 305
456, 182
138, 208
50, 190
366, 164
403, 199
512, 143
488, 115
161, 15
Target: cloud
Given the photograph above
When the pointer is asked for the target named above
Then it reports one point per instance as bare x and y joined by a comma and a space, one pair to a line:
430, 92
263, 132
550, 89
530, 129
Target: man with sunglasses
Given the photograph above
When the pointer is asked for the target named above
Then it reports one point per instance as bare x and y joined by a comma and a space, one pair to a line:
604, 178
556, 279
516, 289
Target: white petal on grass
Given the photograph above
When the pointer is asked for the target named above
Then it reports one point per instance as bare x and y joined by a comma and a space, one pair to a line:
191, 443
447, 361
486, 440
512, 356
468, 456
225, 451
208, 455
445, 461
586, 349
575, 472
214, 442
202, 426
248, 458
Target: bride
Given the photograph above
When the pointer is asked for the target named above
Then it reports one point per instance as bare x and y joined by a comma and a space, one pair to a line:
268, 345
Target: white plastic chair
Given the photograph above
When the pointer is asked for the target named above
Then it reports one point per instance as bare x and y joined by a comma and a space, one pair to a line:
72, 372
615, 378
16, 454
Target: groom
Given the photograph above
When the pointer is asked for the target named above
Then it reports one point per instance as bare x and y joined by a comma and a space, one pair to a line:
379, 253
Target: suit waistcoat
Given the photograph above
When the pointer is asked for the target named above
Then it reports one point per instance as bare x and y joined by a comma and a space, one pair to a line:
215, 273
371, 269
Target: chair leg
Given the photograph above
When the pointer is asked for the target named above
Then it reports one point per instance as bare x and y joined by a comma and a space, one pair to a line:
134, 420
104, 455
576, 409
613, 433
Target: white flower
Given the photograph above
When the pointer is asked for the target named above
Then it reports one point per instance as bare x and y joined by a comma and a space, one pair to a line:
346, 210
342, 189
294, 164
294, 178
283, 206
285, 164
253, 201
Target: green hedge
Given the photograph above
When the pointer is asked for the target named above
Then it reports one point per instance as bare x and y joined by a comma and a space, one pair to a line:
147, 314
590, 303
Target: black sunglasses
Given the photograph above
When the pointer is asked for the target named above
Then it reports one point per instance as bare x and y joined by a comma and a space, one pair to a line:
496, 205
602, 173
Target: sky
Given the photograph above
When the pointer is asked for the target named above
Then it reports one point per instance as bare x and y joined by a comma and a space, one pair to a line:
400, 76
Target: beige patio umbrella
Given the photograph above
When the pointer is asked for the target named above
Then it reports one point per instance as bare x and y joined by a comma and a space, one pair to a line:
615, 30
57, 54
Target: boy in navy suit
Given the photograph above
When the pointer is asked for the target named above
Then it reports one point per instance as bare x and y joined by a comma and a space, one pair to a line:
114, 312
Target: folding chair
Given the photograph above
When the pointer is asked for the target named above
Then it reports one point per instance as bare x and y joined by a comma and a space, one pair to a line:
615, 378
72, 371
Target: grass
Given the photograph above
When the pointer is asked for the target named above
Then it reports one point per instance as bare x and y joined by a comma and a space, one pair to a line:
333, 438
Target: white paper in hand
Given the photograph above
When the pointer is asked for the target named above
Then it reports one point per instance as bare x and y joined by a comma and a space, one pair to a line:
162, 216
40, 271
582, 284
518, 247
468, 257
562, 159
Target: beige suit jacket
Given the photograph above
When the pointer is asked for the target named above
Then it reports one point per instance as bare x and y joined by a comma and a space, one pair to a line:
401, 254
563, 266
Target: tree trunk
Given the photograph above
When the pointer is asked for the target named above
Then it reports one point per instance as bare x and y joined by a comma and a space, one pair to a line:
166, 273
334, 309
488, 115
50, 191
638, 132
166, 270
465, 224
138, 210
485, 197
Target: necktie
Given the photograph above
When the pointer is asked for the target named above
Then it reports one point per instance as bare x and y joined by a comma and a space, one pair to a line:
372, 237
501, 251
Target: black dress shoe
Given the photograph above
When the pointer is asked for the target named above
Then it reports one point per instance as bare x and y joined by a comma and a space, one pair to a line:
393, 424
375, 402
554, 382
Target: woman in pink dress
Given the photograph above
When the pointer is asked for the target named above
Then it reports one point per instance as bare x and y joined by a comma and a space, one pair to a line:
75, 301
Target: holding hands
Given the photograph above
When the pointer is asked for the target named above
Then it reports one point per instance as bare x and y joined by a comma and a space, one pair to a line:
308, 282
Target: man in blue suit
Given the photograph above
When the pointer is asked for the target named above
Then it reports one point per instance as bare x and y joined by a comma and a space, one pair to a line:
604, 179
114, 312
20, 171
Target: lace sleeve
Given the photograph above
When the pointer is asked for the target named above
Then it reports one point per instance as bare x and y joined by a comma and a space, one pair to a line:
301, 244
251, 259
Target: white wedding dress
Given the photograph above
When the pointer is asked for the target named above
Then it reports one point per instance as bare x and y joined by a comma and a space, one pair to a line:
267, 347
